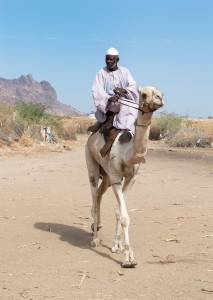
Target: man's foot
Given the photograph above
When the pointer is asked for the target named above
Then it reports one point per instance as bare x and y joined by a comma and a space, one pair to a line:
125, 137
95, 127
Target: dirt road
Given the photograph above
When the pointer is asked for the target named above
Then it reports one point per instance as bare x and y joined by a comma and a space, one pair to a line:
45, 234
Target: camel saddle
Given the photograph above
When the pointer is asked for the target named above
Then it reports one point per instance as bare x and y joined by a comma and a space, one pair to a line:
110, 133
108, 130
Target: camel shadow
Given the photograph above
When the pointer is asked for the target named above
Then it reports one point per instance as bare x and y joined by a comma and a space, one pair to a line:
74, 236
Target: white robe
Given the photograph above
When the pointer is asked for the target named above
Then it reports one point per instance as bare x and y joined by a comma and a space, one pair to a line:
102, 89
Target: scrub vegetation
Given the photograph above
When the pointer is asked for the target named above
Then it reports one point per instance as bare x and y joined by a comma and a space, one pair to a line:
22, 124
181, 131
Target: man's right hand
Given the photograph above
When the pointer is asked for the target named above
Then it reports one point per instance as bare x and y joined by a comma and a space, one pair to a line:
120, 92
113, 99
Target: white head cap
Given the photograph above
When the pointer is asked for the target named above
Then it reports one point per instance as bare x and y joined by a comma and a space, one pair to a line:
112, 51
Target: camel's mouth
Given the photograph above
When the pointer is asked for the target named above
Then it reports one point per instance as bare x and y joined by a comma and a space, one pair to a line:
152, 106
157, 100
158, 103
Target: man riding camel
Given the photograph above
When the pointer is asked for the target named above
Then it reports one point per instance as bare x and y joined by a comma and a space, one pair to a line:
113, 90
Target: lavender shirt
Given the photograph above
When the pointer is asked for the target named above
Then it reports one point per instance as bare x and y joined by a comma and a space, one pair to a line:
102, 89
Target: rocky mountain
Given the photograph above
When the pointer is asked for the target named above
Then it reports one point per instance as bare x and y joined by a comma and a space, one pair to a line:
26, 89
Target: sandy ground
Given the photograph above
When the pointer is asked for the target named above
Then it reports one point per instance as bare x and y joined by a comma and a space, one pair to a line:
45, 234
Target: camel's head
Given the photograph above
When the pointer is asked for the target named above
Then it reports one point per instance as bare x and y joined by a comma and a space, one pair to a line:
150, 99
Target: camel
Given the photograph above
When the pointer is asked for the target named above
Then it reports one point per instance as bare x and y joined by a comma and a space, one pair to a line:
119, 169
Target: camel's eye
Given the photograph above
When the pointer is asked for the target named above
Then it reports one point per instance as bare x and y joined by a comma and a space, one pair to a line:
144, 96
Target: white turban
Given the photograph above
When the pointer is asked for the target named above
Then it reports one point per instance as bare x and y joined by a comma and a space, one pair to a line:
112, 51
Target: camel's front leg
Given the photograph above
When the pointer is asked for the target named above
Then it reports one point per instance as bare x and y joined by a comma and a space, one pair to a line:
117, 244
129, 261
129, 181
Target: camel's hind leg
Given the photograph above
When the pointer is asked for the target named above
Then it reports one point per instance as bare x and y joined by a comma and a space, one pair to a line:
96, 208
101, 190
97, 193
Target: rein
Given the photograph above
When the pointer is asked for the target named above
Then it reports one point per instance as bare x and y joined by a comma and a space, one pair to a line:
119, 100
134, 108
129, 101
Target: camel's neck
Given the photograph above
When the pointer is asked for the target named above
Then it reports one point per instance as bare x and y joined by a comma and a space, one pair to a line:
141, 138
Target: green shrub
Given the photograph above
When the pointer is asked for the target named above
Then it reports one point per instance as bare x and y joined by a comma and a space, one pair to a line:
169, 123
30, 117
31, 112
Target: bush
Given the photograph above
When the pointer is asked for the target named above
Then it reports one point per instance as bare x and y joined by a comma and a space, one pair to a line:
26, 139
170, 123
23, 123
180, 131
155, 133
31, 112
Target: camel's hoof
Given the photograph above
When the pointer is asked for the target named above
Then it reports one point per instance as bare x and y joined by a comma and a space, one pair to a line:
96, 243
92, 227
129, 264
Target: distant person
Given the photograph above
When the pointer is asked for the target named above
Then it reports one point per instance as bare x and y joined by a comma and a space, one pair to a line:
112, 84
48, 134
43, 133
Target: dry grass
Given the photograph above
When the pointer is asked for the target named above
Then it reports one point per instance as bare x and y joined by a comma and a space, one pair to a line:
205, 125
26, 139
195, 132
22, 128
15, 136
72, 126
77, 124
29, 139
187, 133
42, 147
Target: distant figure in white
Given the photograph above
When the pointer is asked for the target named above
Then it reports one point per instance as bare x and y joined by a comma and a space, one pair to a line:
44, 133
48, 134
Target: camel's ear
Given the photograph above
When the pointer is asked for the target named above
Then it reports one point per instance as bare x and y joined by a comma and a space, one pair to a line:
139, 89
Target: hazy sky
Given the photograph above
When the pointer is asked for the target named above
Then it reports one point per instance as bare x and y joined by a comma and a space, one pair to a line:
165, 43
